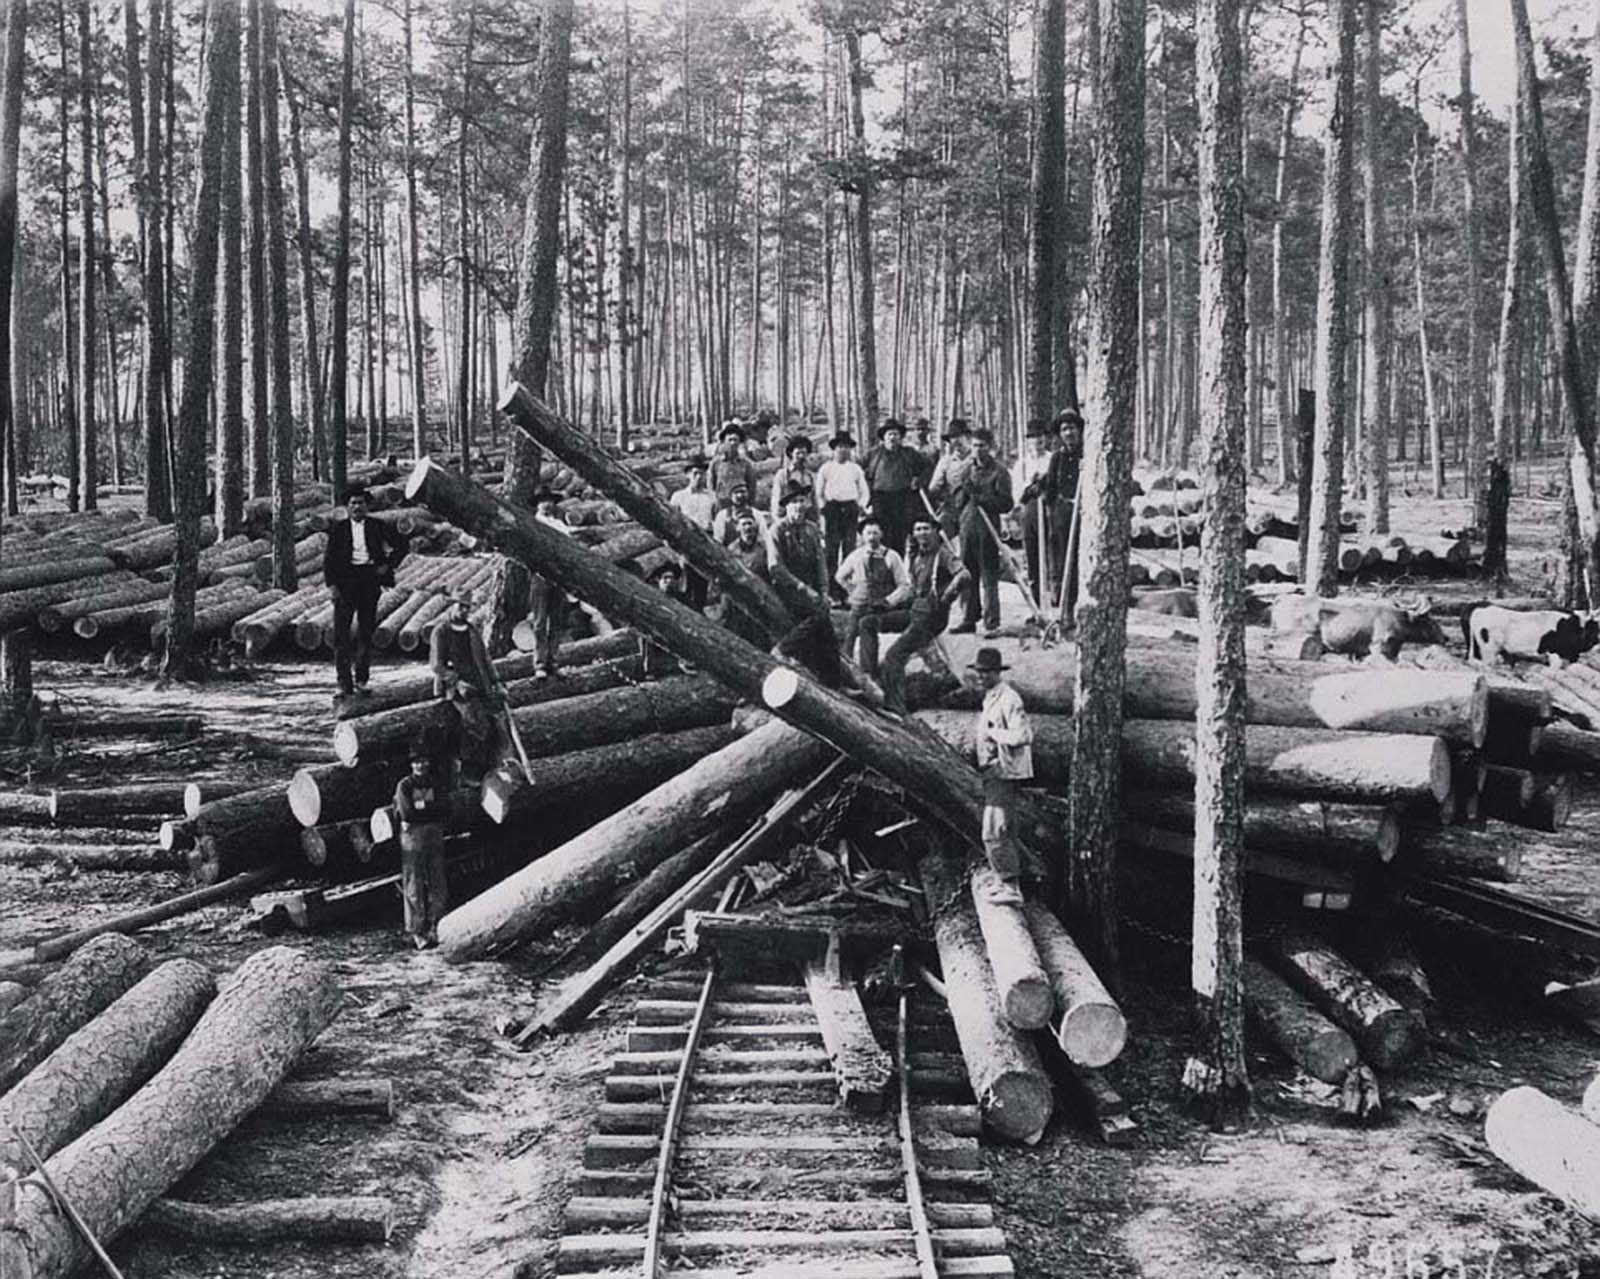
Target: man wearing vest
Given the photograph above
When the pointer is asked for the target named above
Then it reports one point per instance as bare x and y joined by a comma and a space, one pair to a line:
360, 560
464, 677
1060, 497
730, 468
937, 579
894, 474
422, 803
874, 579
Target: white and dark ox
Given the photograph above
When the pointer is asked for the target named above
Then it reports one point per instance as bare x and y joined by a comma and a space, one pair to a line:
1359, 628
1556, 636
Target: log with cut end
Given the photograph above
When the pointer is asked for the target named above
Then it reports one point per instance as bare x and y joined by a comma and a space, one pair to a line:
82, 988
103, 1063
1090, 1027
198, 794
19, 608
328, 1219
316, 1098
240, 850
1019, 975
53, 617
1555, 1148
332, 792
98, 853
1007, 1076
1319, 830
1311, 876
862, 1069
1493, 852
1386, 1032
1551, 807
265, 1016
217, 616
1300, 1032
1563, 745
553, 727
93, 806
737, 780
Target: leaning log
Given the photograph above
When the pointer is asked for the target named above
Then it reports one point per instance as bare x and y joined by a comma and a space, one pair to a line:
1555, 1148
1089, 1026
1387, 1033
266, 1015
1299, 1031
1007, 1076
1019, 976
102, 1064
82, 988
342, 1219
736, 781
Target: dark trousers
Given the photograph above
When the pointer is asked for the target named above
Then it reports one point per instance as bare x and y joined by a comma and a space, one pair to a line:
356, 600
1060, 532
919, 626
1038, 573
838, 534
695, 589
423, 888
862, 618
982, 557
894, 510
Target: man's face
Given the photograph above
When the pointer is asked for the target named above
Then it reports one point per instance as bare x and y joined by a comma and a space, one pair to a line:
1038, 445
747, 530
957, 444
357, 503
841, 452
730, 445
872, 535
988, 679
459, 611
547, 508
419, 768
1071, 439
892, 440
667, 582
982, 448
923, 532
795, 509
697, 478
800, 459
740, 495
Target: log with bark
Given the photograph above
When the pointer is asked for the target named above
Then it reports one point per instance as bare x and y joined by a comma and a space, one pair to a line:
265, 1016
1387, 1033
82, 988
110, 805
1019, 976
53, 617
102, 1064
317, 1098
1300, 1032
1089, 1026
216, 615
328, 1219
1493, 852
1007, 1076
51, 569
1555, 1148
88, 850
333, 792
1337, 834
19, 608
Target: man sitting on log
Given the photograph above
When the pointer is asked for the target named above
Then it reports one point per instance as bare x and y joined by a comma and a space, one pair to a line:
725, 525
796, 547
842, 494
730, 468
1005, 758
698, 504
422, 802
545, 599
464, 677
359, 561
749, 547
874, 579
795, 471
937, 580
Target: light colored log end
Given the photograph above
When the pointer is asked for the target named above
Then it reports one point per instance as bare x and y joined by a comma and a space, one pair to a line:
1029, 1003
1387, 838
1553, 1147
384, 825
1439, 769
1018, 1105
780, 687
305, 797
192, 799
1093, 1035
418, 478
346, 743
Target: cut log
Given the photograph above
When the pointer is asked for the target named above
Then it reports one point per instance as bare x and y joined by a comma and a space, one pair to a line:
552, 727
1555, 1148
20, 608
1337, 834
1019, 976
52, 569
1090, 1028
133, 920
217, 617
266, 1015
81, 989
334, 793
1396, 967
53, 617
1562, 744
1387, 1033
198, 794
103, 723
861, 1068
319, 1098
1007, 1076
105, 1062
1493, 852
1311, 876
142, 617
1299, 1031
21, 808
1551, 808
344, 1219
92, 807
739, 779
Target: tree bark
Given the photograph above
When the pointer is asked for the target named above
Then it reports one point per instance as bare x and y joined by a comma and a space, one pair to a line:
1478, 425
310, 349
1335, 834
346, 1219
418, 361
1045, 230
1282, 366
260, 419
1375, 326
541, 236
1333, 303
230, 477
1300, 1032
866, 278
464, 405
1505, 364
275, 1005
1019, 976
339, 375
284, 575
1089, 1026
11, 95
88, 461
105, 1062
1387, 1033
157, 340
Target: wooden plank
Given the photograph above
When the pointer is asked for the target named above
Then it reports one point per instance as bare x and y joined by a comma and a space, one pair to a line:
946, 1181
860, 1067
637, 1087
672, 1012
603, 1211
623, 1249
651, 1038
1108, 1113
605, 1150
993, 1266
646, 1116
649, 1063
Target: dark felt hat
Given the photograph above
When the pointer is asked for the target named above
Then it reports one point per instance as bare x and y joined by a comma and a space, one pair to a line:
983, 433
421, 748
1037, 427
801, 492
1068, 417
893, 424
867, 517
844, 438
665, 567
988, 659
697, 462
797, 444
356, 488
731, 429
956, 429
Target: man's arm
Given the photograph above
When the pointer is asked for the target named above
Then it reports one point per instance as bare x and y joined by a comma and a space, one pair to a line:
863, 493
403, 806
1010, 725
437, 663
847, 569
332, 569
958, 576
902, 580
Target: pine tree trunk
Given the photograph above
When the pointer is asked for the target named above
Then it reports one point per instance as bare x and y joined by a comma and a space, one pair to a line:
283, 511
88, 459
464, 406
1477, 353
866, 279
221, 81
339, 377
11, 96
229, 515
1375, 328
68, 387
1505, 364
536, 272
1049, 177
259, 423
1333, 303
1113, 353
419, 390
1435, 434
625, 262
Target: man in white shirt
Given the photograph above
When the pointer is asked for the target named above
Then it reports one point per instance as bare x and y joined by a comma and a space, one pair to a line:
698, 504
1005, 758
842, 496
874, 579
1028, 474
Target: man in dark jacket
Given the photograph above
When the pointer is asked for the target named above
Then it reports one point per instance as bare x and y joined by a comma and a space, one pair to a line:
1059, 499
979, 487
360, 560
894, 474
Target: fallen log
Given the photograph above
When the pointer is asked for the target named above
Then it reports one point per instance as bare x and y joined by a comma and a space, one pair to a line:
343, 1219
1338, 834
103, 723
218, 616
1555, 1148
1089, 1027
20, 608
333, 792
198, 794
133, 920
1551, 807
1299, 1031
143, 617
1562, 744
1387, 1033
55, 616
1019, 975
1003, 1066
319, 1098
102, 1064
87, 854
1492, 853
735, 781
94, 806
1311, 876
82, 988
53, 569
266, 1015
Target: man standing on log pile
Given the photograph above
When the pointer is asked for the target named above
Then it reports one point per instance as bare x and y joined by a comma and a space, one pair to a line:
464, 677
1060, 501
699, 506
1028, 475
843, 495
730, 468
874, 579
1005, 758
359, 561
796, 470
972, 488
894, 473
796, 551
937, 581
422, 802
545, 599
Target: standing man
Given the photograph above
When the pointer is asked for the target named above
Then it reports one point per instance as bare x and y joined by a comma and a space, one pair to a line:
654, 659
796, 469
464, 677
979, 486
422, 802
730, 467
949, 471
843, 495
894, 473
698, 504
361, 557
1027, 479
749, 547
1060, 497
1005, 758
545, 599
927, 448
937, 579
797, 559
874, 579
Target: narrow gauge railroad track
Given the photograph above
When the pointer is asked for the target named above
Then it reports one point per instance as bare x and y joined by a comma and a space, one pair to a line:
722, 1151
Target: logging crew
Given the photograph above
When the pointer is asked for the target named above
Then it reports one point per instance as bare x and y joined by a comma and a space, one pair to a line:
796, 469
937, 580
698, 504
894, 474
464, 677
1027, 479
422, 802
361, 557
874, 579
796, 551
749, 547
730, 467
1005, 758
725, 524
1060, 497
976, 487
546, 600
842, 495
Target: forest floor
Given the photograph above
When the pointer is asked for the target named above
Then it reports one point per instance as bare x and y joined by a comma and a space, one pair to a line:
485, 1139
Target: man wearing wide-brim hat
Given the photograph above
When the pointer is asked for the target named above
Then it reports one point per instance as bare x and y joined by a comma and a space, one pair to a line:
1060, 498
797, 560
698, 504
545, 598
360, 560
1005, 758
843, 497
464, 677
894, 473
972, 488
729, 466
795, 469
